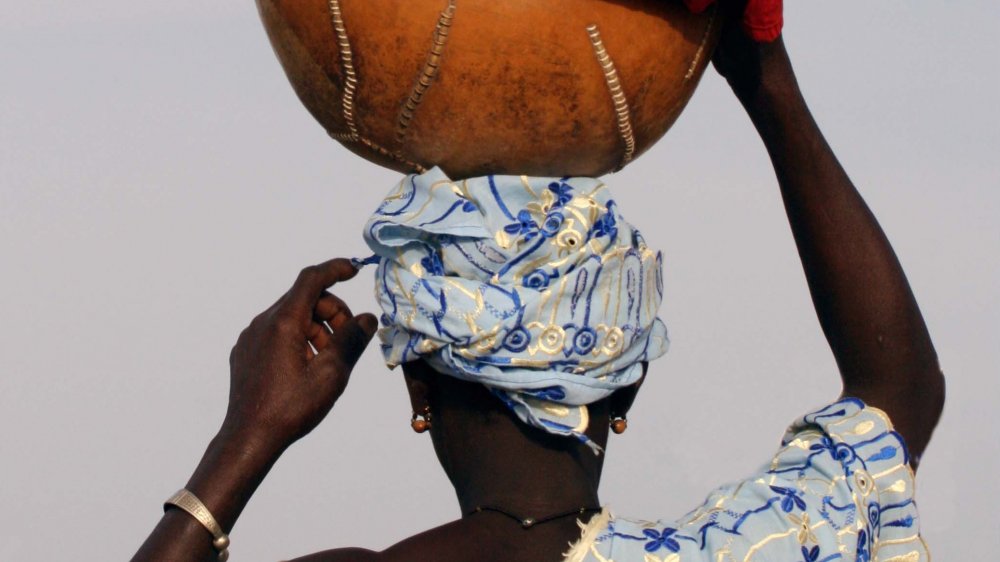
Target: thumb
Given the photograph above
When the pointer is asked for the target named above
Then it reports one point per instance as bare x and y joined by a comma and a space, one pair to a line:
349, 341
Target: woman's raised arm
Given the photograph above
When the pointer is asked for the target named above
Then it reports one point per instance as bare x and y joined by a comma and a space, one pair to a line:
863, 301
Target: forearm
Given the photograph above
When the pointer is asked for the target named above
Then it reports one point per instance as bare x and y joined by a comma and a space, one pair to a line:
287, 369
227, 476
861, 295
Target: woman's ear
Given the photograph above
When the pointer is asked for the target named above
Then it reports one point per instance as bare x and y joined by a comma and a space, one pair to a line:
417, 384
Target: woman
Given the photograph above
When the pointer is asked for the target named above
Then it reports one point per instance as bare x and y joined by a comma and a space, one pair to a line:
833, 492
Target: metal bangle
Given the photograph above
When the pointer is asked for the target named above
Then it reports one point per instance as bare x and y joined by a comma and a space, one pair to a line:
190, 503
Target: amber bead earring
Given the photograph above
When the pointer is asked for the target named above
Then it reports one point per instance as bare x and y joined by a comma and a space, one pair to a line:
618, 424
421, 422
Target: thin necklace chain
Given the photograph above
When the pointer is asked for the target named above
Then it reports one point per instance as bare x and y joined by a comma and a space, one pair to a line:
529, 522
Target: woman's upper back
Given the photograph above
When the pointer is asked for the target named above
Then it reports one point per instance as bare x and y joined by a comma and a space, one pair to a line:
839, 488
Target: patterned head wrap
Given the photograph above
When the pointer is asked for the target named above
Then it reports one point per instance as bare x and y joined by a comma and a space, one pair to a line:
534, 287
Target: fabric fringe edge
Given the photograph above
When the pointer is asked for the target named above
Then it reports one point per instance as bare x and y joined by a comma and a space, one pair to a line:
588, 535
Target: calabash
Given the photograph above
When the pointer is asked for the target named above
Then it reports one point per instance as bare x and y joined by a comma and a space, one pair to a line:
534, 87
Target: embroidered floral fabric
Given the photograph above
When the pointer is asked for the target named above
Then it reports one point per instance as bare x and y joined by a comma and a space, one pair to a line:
535, 287
840, 488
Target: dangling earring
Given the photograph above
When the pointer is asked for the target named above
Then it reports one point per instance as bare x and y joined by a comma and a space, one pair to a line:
618, 424
421, 425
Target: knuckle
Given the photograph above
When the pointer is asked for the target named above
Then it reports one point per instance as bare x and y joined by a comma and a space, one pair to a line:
344, 265
241, 342
284, 324
308, 273
341, 365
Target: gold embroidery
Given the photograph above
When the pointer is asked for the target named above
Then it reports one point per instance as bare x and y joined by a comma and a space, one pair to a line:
569, 239
842, 421
899, 486
799, 443
805, 531
526, 184
913, 556
887, 472
557, 410
864, 481
430, 199
614, 342
863, 427
763, 542
597, 555
551, 340
908, 539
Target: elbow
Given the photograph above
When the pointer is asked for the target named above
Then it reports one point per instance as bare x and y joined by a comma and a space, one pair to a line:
934, 391
929, 397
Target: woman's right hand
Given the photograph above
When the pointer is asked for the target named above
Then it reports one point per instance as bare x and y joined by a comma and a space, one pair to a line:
280, 389
745, 63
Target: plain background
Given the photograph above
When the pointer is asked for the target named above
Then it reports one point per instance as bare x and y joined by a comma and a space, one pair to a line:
160, 184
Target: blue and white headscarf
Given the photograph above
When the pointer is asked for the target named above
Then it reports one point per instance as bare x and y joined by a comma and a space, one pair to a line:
534, 287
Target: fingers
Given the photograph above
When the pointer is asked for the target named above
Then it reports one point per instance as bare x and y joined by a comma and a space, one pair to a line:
319, 336
314, 280
349, 341
329, 315
325, 320
332, 310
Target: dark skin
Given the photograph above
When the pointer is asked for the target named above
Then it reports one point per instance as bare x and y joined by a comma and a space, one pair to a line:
280, 389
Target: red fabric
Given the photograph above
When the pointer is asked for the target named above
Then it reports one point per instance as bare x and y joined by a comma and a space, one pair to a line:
762, 20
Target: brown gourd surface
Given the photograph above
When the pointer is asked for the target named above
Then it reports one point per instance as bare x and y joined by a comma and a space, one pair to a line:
534, 87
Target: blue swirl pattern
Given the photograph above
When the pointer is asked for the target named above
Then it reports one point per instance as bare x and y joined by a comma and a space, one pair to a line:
535, 287
840, 488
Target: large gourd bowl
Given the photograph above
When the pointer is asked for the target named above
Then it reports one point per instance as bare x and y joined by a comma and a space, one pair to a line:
476, 87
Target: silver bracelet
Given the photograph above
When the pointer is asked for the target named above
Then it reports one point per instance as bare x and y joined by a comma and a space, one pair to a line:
191, 504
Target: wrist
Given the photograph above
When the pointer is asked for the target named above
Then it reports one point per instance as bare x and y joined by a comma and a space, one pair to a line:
772, 82
777, 108
248, 441
234, 464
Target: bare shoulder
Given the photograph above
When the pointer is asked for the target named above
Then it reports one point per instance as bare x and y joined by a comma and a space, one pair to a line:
342, 555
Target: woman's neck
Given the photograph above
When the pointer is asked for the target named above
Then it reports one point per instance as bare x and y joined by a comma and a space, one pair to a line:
497, 461
542, 494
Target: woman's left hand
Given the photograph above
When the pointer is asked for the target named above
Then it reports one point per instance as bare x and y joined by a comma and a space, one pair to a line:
293, 361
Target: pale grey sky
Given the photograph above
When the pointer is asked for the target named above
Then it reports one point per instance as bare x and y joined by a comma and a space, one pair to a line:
160, 184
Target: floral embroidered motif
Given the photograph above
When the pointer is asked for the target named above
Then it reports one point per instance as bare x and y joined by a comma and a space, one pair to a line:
790, 499
525, 226
518, 283
817, 502
661, 539
805, 533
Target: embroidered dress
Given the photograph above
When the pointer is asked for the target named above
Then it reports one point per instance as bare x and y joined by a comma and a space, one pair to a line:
839, 488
